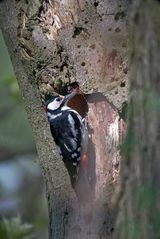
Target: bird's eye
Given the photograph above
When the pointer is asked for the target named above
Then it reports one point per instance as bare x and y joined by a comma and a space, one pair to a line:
58, 99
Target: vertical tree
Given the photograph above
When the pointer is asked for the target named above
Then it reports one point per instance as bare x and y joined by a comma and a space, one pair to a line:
139, 215
54, 42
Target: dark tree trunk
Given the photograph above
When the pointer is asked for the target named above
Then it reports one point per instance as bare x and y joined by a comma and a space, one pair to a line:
55, 42
139, 216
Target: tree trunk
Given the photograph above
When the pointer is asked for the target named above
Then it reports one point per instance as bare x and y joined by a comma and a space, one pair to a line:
139, 216
55, 42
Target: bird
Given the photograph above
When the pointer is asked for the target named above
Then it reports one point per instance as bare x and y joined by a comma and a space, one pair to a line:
70, 133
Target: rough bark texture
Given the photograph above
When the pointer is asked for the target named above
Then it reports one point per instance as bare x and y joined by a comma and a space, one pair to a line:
139, 216
54, 42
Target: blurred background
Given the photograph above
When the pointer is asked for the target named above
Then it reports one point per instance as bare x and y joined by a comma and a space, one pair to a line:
23, 208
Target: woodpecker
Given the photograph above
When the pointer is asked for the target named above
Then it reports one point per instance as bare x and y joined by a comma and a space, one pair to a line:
70, 134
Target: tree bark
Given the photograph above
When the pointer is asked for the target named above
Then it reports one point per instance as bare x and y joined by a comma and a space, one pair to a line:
55, 42
139, 216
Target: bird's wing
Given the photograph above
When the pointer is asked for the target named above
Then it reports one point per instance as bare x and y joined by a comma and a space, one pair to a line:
67, 135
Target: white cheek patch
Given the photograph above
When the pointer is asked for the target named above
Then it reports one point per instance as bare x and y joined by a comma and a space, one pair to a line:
54, 105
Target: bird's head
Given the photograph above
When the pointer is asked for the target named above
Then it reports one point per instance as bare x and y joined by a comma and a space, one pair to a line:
57, 102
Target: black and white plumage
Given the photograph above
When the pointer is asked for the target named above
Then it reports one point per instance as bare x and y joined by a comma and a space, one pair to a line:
69, 131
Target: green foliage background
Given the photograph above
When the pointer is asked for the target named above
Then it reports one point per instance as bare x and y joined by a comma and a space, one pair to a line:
14, 127
15, 229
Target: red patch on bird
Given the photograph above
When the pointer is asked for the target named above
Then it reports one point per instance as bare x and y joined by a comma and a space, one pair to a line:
84, 162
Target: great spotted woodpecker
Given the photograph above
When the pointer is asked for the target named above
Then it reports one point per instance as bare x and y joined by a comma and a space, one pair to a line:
70, 134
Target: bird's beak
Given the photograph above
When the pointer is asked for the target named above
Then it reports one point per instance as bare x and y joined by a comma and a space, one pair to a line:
69, 96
